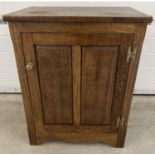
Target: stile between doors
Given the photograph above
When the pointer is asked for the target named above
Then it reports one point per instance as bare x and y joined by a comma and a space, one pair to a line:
76, 63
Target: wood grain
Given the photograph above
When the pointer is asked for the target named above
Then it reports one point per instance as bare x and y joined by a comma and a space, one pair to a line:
98, 75
138, 41
79, 14
34, 88
76, 39
55, 78
76, 27
121, 80
76, 63
88, 137
20, 61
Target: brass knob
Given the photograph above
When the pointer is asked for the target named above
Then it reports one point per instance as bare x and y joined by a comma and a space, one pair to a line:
29, 66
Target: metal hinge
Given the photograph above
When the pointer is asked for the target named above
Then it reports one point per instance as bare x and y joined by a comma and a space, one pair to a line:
131, 55
120, 122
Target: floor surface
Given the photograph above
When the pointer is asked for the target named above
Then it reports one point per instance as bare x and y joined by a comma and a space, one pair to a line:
13, 135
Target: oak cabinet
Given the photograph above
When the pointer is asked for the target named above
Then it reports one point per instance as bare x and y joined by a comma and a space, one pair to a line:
77, 72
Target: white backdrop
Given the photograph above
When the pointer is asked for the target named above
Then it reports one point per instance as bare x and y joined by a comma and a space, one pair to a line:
145, 83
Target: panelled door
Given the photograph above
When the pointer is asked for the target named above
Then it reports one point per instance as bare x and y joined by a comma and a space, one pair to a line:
76, 81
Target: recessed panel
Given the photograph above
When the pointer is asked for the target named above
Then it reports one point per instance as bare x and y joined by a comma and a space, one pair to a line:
98, 78
55, 78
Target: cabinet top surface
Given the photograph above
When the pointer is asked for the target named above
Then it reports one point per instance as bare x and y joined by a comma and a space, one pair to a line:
79, 14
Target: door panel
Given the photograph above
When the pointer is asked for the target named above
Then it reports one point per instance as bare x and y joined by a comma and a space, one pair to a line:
98, 75
55, 78
79, 79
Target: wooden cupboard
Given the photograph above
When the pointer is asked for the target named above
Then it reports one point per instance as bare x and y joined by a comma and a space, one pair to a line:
77, 69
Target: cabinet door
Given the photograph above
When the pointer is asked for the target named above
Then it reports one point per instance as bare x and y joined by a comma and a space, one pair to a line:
77, 80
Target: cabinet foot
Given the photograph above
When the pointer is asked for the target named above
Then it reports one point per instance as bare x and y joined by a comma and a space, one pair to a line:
36, 141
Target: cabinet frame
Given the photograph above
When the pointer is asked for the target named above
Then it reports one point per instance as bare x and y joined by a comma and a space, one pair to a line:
18, 28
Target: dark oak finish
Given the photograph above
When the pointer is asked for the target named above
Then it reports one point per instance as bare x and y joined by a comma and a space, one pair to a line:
72, 62
79, 14
55, 74
98, 76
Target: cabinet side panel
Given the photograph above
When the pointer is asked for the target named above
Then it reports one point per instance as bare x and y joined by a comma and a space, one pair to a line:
55, 77
137, 42
98, 75
20, 61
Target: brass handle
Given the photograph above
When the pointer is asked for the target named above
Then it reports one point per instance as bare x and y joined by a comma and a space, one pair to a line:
29, 66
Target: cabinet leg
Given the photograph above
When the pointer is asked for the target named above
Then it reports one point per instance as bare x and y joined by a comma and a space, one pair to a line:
35, 141
32, 139
31, 135
120, 145
121, 138
32, 142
